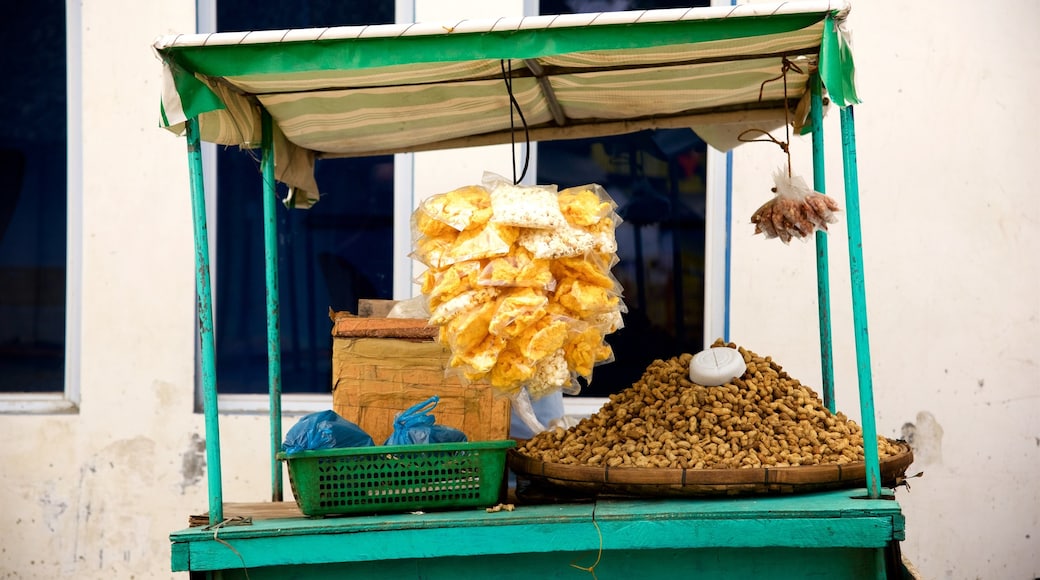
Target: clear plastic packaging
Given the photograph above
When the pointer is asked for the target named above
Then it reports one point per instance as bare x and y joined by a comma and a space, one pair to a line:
487, 242
795, 211
516, 311
444, 284
463, 208
477, 362
593, 268
518, 269
543, 337
531, 417
585, 205
432, 250
461, 303
523, 206
583, 349
469, 327
512, 370
551, 374
584, 299
523, 293
559, 242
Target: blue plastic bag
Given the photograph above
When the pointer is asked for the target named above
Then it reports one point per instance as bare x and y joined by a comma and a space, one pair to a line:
416, 426
324, 430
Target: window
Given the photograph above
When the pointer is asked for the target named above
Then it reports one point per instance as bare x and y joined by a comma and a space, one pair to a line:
342, 248
35, 157
658, 180
329, 256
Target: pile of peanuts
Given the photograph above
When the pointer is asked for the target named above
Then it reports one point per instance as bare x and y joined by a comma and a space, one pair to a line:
764, 418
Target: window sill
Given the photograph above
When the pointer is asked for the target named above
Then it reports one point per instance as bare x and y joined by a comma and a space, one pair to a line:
298, 404
37, 404
292, 404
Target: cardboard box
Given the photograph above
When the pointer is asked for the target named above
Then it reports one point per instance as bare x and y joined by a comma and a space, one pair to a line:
382, 366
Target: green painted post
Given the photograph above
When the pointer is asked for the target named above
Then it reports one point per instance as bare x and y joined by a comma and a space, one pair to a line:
823, 285
204, 304
274, 351
859, 303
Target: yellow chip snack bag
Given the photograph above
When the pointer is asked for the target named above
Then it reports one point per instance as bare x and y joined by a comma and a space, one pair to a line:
516, 311
475, 244
511, 370
585, 299
464, 208
550, 374
589, 269
468, 329
608, 322
543, 337
582, 206
519, 268
424, 225
432, 250
461, 303
426, 281
479, 360
451, 282
580, 350
519, 282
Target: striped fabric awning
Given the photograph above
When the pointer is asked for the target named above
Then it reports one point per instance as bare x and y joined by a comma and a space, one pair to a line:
370, 90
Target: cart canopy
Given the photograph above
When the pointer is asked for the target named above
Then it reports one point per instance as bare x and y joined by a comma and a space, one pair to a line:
371, 90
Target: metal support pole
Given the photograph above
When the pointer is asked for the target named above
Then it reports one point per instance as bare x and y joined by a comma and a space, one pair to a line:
859, 303
204, 305
823, 285
274, 351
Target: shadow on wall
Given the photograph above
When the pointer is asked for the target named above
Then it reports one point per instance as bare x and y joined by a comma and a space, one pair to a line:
925, 438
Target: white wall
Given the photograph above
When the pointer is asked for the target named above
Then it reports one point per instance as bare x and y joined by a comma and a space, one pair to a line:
950, 218
95, 494
951, 228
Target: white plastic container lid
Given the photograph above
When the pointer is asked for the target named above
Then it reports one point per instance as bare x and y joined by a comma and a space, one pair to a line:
716, 366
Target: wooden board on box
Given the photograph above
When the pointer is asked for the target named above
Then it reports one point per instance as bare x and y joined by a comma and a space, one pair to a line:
377, 375
408, 328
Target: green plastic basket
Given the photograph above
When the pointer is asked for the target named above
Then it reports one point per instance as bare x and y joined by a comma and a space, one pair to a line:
395, 478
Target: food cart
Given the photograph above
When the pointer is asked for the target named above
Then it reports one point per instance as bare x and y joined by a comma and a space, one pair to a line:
302, 95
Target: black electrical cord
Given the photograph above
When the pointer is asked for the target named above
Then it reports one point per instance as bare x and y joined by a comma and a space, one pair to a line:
513, 104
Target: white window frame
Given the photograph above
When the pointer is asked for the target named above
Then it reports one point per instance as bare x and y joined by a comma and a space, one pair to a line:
67, 400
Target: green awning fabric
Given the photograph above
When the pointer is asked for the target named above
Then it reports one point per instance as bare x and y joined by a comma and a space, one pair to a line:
368, 90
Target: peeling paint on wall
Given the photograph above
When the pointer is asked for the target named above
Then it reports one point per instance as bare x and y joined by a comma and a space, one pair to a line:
925, 438
108, 534
52, 509
193, 462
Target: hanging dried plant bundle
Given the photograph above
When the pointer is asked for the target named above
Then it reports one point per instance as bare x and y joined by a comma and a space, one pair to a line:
796, 211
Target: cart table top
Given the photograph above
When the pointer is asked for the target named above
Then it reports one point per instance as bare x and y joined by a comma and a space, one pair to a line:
835, 519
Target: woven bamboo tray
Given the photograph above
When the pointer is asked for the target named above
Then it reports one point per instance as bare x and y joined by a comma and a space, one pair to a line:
664, 482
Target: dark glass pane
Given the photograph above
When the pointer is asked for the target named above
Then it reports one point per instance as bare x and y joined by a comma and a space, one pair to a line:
33, 203
329, 256
657, 179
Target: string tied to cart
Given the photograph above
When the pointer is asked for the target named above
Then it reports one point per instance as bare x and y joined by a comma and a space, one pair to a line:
786, 65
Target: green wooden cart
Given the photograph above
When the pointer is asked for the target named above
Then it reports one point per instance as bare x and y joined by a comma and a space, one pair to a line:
302, 95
